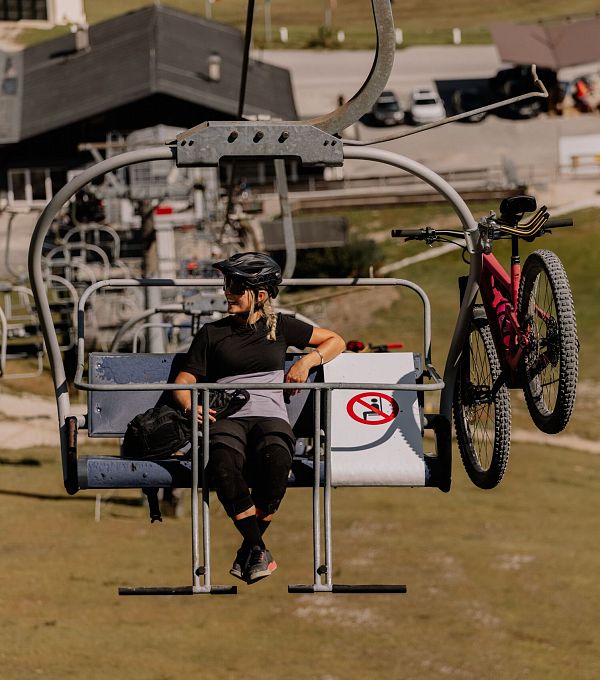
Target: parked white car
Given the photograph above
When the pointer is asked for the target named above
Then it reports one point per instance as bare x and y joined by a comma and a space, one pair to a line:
426, 106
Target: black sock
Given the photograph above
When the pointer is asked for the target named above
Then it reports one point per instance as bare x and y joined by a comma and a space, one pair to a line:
248, 527
263, 525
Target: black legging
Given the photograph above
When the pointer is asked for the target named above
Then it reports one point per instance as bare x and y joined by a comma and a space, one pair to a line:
266, 471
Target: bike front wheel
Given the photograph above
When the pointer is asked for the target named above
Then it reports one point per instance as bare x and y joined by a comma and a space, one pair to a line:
550, 360
482, 407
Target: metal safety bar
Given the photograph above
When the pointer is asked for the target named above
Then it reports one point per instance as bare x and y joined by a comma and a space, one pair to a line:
83, 229
198, 283
71, 260
170, 308
472, 238
322, 519
201, 572
321, 567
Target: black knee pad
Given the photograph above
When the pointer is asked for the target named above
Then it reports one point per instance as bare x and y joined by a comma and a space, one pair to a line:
267, 508
237, 505
226, 474
273, 472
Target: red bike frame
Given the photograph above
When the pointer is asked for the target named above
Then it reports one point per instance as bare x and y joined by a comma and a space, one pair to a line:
500, 293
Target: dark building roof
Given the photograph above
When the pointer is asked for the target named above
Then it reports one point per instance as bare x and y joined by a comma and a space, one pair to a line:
555, 45
156, 51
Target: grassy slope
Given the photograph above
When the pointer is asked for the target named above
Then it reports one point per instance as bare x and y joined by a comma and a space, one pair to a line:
501, 584
425, 21
418, 14
503, 580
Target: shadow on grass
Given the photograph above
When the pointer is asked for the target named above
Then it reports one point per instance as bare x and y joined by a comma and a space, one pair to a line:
31, 462
134, 502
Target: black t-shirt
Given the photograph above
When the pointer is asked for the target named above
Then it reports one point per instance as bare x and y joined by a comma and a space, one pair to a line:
226, 348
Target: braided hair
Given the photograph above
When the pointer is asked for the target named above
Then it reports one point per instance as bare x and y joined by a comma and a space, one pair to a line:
266, 310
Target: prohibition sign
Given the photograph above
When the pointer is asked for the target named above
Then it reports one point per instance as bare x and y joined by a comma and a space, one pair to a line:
367, 408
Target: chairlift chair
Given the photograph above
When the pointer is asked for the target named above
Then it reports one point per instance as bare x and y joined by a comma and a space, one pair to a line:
20, 333
120, 385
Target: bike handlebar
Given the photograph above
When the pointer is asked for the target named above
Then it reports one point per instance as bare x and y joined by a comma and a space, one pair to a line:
558, 222
428, 234
398, 233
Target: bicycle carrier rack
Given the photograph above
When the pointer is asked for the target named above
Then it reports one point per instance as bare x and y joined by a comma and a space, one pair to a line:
313, 142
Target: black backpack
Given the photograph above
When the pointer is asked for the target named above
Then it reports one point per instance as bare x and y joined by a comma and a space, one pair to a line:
161, 431
157, 433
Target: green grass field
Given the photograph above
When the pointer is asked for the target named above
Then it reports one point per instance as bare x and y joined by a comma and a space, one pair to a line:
425, 22
501, 584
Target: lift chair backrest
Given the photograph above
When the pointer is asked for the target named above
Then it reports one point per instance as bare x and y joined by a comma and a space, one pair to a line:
110, 412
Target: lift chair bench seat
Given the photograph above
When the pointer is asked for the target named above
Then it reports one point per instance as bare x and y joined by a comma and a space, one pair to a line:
109, 412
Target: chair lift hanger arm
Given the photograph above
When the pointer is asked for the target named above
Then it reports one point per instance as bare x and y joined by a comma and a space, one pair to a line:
313, 140
362, 102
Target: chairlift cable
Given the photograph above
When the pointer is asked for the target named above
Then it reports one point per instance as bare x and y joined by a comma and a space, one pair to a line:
241, 103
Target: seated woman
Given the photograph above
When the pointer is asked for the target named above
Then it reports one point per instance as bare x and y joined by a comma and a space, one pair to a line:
252, 448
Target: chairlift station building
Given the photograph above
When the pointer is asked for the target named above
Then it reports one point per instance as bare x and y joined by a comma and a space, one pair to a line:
149, 67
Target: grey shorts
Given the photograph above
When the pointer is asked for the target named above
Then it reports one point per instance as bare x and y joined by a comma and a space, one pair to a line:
248, 435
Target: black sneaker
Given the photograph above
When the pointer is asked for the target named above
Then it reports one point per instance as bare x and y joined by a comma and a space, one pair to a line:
260, 565
239, 564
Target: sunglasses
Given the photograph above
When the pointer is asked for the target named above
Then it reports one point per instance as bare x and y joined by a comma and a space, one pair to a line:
235, 285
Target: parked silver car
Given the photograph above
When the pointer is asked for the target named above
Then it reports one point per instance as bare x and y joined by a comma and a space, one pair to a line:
387, 109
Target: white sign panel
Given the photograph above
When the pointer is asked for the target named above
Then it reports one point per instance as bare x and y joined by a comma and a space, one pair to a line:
376, 436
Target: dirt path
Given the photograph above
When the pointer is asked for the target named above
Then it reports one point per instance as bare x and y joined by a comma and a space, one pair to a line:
28, 420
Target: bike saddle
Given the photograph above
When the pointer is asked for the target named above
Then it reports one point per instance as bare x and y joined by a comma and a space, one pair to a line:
513, 208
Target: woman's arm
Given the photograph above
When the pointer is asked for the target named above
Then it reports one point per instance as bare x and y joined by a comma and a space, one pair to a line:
184, 397
327, 345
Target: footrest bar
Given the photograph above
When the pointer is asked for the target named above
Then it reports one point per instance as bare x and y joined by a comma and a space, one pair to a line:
339, 588
179, 590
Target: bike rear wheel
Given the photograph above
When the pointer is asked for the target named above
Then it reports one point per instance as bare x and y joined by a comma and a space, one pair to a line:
482, 407
549, 365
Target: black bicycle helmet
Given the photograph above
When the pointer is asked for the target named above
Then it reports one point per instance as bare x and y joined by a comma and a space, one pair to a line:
254, 270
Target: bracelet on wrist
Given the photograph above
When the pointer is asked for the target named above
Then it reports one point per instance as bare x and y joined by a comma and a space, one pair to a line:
319, 353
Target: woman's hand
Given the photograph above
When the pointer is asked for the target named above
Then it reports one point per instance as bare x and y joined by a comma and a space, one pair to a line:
298, 373
184, 399
200, 418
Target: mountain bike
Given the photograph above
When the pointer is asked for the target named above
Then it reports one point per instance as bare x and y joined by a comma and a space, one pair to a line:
522, 335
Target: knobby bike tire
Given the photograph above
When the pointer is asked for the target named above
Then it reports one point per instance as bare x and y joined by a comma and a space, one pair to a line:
482, 416
549, 366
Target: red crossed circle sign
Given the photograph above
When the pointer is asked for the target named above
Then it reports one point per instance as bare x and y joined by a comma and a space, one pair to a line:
372, 408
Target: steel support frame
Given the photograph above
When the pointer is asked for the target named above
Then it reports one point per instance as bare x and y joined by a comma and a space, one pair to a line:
201, 570
161, 153
321, 567
322, 520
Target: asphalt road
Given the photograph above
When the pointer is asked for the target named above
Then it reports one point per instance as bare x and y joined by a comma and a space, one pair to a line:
319, 77
532, 145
